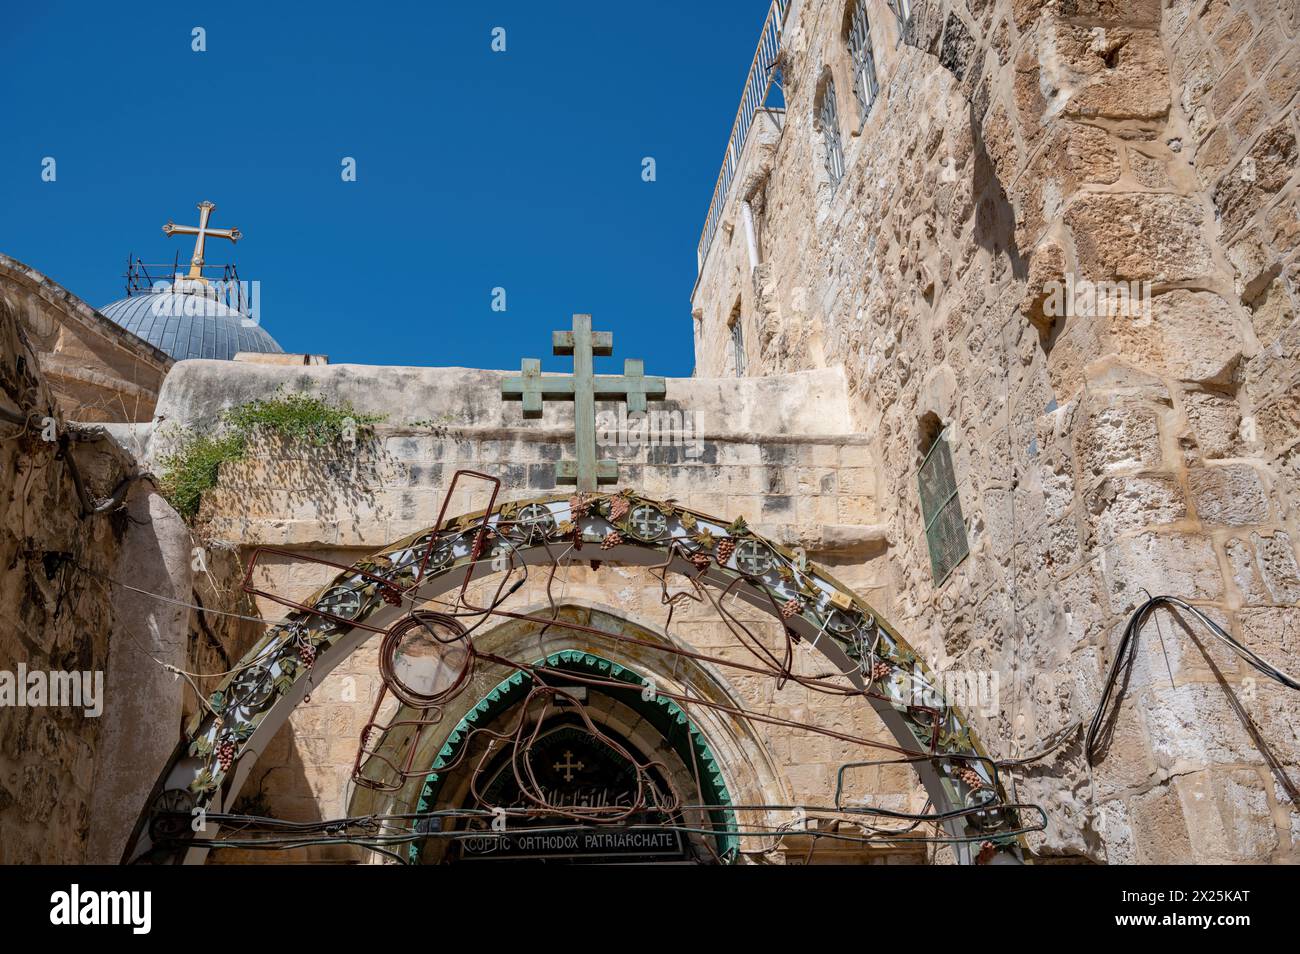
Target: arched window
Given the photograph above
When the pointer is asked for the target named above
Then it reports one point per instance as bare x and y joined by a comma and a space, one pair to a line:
865, 86
828, 121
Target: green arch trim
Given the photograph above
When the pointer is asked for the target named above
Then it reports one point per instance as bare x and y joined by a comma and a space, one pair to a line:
668, 718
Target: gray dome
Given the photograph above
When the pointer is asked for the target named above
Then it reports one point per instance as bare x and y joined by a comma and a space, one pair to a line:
189, 326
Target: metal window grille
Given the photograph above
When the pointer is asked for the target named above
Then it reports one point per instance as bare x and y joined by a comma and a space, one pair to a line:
945, 530
903, 11
738, 347
865, 87
829, 119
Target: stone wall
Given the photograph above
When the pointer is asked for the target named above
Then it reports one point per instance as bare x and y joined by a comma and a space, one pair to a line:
47, 756
97, 371
1099, 454
72, 779
50, 618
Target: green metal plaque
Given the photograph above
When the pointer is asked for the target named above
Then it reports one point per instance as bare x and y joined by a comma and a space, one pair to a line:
945, 531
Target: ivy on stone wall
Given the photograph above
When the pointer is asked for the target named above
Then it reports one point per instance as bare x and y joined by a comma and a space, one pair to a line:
193, 468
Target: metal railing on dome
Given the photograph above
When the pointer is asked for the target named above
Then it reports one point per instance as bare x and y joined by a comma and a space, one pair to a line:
758, 85
224, 280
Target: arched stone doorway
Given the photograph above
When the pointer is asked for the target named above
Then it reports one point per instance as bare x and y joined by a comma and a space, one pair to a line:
588, 770
702, 755
870, 661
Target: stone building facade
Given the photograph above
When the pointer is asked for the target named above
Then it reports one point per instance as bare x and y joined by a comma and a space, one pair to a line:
1101, 452
779, 451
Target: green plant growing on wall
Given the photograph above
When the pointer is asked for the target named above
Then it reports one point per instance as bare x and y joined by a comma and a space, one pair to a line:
193, 468
299, 416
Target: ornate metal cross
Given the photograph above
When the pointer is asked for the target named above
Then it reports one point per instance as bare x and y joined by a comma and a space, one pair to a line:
584, 389
201, 233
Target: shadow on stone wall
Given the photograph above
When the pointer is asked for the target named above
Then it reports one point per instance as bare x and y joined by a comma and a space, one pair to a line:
280, 788
995, 218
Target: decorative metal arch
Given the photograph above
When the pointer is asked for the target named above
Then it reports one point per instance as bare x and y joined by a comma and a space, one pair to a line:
221, 744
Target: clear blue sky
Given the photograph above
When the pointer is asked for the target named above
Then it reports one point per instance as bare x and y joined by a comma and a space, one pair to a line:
475, 169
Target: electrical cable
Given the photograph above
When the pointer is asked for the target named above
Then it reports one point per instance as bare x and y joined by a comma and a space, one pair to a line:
1128, 645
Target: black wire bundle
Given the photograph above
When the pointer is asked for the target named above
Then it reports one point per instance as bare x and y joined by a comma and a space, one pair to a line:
1128, 643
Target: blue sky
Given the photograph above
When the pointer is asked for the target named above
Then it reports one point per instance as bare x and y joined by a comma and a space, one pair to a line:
475, 169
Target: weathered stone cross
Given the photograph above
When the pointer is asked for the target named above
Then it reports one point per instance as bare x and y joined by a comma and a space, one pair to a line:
584, 389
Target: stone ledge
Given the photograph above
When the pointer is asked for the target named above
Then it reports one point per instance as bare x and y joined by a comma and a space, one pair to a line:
830, 538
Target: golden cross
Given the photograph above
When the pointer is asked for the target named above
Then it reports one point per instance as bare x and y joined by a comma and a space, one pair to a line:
201, 232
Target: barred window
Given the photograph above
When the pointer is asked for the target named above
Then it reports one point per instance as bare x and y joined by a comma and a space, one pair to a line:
828, 118
865, 87
945, 529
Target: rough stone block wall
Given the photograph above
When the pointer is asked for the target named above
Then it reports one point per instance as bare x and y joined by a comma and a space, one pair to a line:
72, 784
1098, 455
50, 619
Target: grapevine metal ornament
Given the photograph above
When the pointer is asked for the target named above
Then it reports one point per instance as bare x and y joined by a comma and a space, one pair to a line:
440, 556
924, 723
988, 817
753, 557
533, 521
171, 814
418, 557
842, 623
411, 555
934, 741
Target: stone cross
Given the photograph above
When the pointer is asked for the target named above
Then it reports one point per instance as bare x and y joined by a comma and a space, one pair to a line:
201, 233
584, 389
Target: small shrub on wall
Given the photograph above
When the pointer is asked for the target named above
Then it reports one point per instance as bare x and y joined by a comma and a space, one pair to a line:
193, 468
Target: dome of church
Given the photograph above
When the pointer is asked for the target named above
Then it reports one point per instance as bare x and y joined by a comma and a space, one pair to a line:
187, 325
